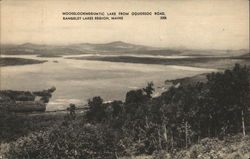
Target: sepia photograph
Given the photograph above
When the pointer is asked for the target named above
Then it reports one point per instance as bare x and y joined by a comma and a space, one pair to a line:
124, 79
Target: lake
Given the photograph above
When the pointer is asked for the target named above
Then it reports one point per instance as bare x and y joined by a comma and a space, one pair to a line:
78, 80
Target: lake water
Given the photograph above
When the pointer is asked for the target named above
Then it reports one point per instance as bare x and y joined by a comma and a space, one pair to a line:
78, 80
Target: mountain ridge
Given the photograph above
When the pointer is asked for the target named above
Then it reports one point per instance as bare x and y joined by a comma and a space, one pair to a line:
114, 47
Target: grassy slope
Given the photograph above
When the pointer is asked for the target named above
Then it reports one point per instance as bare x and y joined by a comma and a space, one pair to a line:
234, 147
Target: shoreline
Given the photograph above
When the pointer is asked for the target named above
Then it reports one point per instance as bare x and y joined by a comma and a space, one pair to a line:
201, 77
16, 61
201, 62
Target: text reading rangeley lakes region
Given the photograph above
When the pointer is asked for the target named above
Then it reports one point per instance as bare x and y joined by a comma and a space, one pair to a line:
109, 15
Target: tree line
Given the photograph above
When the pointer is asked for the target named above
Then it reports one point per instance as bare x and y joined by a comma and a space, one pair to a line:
178, 118
182, 115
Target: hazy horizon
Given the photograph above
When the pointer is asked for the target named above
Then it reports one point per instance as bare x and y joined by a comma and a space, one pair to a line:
160, 47
191, 24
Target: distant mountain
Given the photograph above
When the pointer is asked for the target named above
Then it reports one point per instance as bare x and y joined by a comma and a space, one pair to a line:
112, 47
31, 45
116, 47
36, 49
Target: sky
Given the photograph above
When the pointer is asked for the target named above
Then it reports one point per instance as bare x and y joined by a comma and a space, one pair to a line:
197, 24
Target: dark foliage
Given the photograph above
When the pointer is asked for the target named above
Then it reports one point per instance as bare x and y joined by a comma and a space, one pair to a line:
71, 140
182, 115
179, 118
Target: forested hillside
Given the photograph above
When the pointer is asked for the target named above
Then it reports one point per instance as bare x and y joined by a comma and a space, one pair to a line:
196, 121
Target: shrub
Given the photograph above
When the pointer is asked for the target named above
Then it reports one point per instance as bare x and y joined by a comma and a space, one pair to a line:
73, 140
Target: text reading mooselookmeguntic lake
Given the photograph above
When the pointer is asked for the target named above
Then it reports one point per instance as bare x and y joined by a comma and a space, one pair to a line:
72, 15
